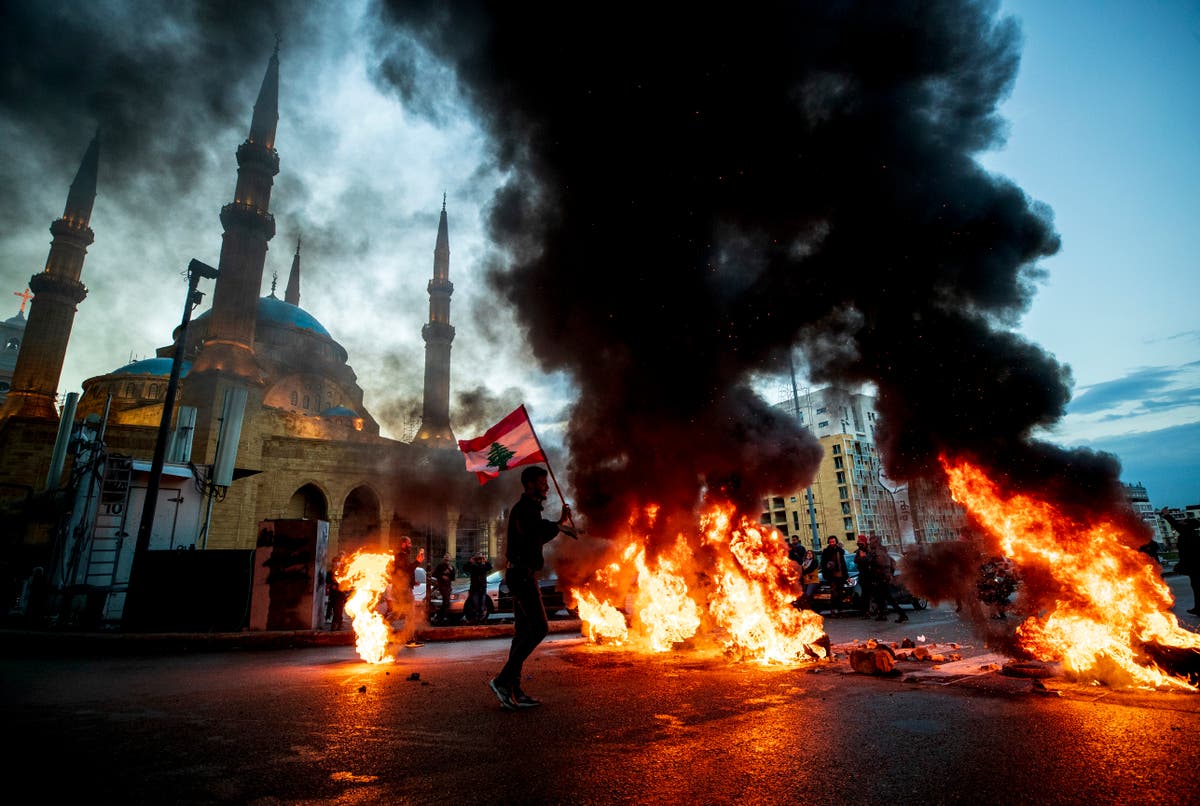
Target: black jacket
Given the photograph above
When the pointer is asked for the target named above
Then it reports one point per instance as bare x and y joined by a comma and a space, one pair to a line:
478, 573
528, 531
833, 562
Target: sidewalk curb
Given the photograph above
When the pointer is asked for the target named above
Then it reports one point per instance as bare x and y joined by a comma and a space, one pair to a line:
17, 643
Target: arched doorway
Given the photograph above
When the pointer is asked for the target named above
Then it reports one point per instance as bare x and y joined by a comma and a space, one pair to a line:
360, 520
308, 502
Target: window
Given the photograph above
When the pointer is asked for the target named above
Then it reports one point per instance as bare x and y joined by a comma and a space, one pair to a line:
837, 449
153, 391
841, 477
843, 493
781, 517
12, 343
765, 518
823, 424
795, 519
847, 523
821, 410
845, 508
776, 503
295, 398
838, 462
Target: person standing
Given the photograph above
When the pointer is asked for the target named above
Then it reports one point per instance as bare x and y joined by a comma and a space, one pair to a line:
862, 564
1189, 554
883, 568
810, 577
443, 575
796, 551
528, 532
477, 569
404, 571
335, 595
833, 567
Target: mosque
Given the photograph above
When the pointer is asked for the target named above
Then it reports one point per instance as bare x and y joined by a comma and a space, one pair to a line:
307, 447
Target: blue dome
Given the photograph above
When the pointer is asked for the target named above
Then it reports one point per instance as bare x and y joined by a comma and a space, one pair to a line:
152, 366
276, 310
339, 411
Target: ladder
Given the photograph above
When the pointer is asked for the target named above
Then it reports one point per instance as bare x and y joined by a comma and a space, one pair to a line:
109, 533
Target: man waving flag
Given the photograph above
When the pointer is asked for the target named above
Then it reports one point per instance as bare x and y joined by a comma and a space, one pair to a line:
507, 444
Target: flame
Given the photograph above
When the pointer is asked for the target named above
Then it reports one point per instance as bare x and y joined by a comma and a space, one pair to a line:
1112, 606
741, 590
367, 575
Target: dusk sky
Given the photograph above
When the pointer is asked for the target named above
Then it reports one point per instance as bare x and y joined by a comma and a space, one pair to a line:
1103, 128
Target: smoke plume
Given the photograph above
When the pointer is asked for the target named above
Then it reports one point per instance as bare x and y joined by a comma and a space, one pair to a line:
694, 193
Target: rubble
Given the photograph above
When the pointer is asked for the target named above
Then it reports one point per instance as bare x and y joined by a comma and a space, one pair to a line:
879, 660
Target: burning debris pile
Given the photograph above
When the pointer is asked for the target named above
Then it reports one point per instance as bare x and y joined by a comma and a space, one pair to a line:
731, 582
1094, 601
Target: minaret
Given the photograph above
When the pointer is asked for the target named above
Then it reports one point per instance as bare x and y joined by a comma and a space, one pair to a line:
226, 361
438, 335
56, 293
229, 344
292, 294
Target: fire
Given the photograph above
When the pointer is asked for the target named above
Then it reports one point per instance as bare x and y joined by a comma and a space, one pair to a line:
367, 575
741, 589
1112, 607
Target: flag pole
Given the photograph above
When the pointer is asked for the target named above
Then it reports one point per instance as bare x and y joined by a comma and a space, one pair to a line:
557, 489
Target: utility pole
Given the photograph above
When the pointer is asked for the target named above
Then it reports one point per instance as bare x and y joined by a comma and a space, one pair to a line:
808, 493
195, 271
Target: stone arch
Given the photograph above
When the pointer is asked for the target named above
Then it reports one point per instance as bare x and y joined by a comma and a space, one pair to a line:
308, 501
360, 519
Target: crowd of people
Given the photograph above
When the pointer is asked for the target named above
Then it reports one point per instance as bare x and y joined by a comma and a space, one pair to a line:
873, 564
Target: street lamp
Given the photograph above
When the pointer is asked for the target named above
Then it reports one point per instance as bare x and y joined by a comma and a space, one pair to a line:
195, 271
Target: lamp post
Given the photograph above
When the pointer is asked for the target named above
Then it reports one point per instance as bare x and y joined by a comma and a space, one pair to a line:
196, 270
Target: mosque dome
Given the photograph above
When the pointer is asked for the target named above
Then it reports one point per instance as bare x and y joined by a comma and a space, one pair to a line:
152, 366
339, 411
274, 310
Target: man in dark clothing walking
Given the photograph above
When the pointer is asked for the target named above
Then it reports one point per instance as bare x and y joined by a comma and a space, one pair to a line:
528, 531
1189, 554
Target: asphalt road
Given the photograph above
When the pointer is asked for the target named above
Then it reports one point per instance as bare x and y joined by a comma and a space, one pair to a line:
316, 725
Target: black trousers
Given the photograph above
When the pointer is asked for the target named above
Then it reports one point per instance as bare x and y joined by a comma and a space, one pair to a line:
881, 594
837, 588
529, 623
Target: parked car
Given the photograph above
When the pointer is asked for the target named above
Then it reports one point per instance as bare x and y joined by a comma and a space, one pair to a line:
851, 592
459, 592
553, 598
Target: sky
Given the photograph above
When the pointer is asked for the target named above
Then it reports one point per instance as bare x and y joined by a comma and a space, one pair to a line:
1102, 127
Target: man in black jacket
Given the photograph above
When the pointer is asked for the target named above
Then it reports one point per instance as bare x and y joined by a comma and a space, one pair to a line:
528, 531
833, 568
443, 576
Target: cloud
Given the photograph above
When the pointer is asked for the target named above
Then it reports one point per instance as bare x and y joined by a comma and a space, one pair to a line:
1166, 461
1150, 389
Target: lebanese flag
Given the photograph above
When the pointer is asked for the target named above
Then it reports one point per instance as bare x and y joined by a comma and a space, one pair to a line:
507, 444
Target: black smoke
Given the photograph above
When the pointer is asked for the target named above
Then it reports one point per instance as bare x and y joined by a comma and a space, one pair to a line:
696, 191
